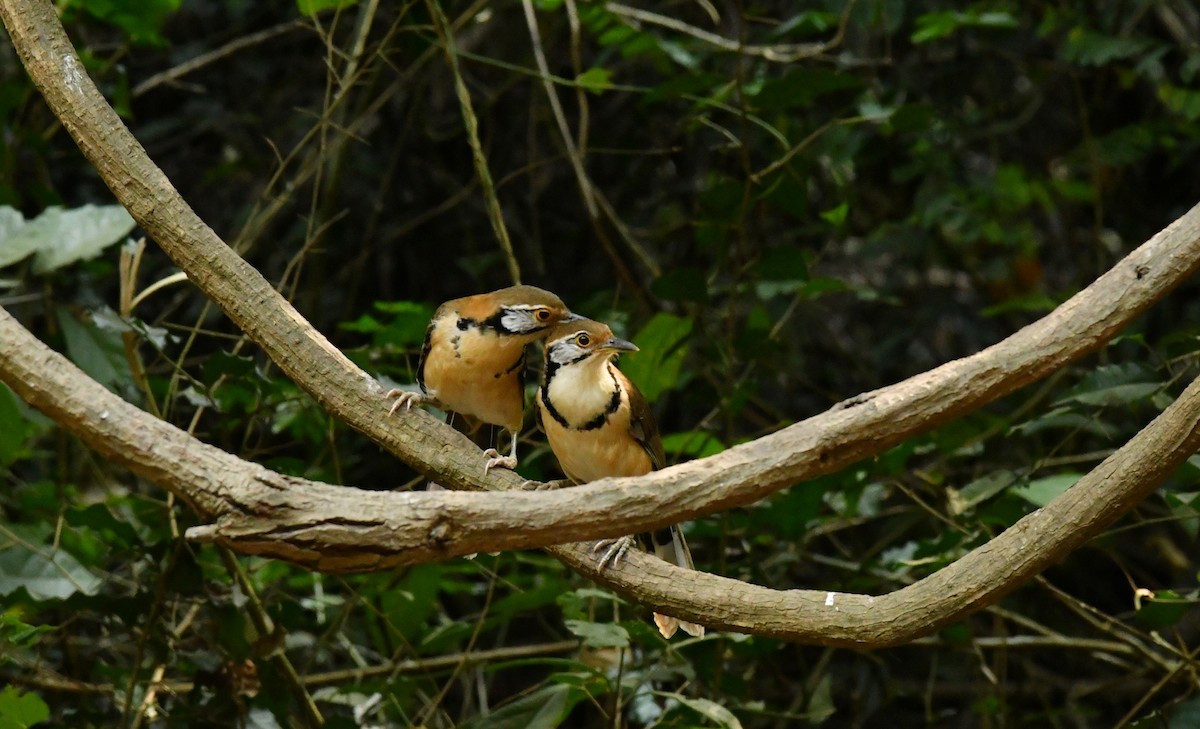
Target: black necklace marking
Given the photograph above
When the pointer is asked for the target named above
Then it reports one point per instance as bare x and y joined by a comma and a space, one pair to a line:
614, 403
602, 418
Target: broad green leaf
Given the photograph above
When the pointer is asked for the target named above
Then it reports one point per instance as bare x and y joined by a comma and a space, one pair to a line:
545, 708
1089, 48
836, 215
44, 572
801, 86
13, 247
599, 635
596, 80
1185, 102
710, 710
682, 284
142, 20
1061, 418
309, 8
407, 327
59, 237
941, 24
658, 364
691, 444
980, 490
14, 429
19, 710
1110, 385
1164, 609
575, 603
1044, 490
99, 353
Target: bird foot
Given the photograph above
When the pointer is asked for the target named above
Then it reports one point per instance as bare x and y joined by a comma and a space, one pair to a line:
405, 399
615, 549
495, 460
557, 483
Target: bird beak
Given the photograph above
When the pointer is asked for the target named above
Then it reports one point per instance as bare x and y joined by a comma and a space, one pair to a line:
572, 316
620, 345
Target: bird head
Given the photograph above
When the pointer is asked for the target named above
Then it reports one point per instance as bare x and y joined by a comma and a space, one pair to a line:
529, 311
583, 339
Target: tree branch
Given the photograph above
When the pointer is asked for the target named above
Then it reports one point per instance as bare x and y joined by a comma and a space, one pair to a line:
324, 526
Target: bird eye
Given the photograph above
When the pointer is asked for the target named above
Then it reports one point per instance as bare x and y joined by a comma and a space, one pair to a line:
583, 340
542, 315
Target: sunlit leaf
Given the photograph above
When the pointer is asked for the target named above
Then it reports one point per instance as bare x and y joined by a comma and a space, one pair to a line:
20, 710
1042, 491
710, 710
309, 8
595, 79
691, 444
662, 346
60, 237
45, 573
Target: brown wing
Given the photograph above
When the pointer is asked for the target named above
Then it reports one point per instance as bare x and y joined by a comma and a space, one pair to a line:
641, 422
427, 346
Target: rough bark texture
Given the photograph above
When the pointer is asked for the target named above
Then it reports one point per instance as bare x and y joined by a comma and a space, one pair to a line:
326, 527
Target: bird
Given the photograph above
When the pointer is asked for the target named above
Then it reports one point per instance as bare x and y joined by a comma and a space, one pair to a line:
473, 360
598, 425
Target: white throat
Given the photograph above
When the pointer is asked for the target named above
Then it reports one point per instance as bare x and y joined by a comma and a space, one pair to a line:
581, 391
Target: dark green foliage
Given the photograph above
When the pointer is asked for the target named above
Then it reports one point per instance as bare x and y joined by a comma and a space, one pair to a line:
784, 235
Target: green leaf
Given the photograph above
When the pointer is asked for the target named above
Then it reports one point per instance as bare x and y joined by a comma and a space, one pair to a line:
800, 87
1163, 610
1089, 48
837, 215
599, 635
18, 710
1185, 102
14, 429
662, 346
45, 573
932, 26
980, 490
60, 237
545, 708
710, 710
142, 20
99, 353
1118, 384
309, 8
1044, 490
691, 444
682, 284
595, 80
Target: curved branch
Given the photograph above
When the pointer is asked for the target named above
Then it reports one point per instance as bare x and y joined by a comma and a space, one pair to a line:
323, 526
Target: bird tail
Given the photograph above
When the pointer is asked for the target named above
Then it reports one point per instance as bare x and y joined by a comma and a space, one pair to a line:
669, 546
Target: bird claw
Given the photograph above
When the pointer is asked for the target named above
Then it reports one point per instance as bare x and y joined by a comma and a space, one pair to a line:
615, 549
495, 460
557, 483
405, 399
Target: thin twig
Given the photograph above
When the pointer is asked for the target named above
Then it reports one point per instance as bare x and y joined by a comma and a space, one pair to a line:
204, 59
780, 53
471, 124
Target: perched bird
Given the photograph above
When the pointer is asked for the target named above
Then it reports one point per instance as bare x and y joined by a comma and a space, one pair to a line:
473, 360
599, 425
